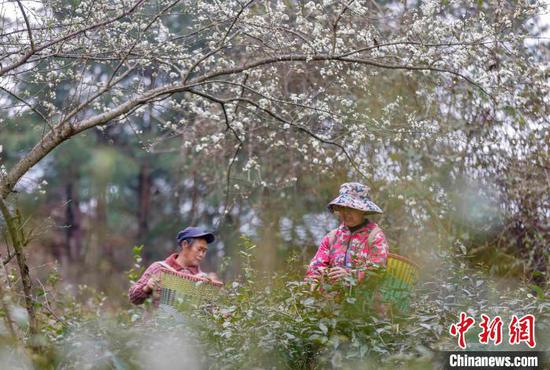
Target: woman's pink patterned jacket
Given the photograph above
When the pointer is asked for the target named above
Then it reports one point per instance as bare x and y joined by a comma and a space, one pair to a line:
342, 248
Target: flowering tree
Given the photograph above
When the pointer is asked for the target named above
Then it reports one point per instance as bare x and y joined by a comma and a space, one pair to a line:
297, 78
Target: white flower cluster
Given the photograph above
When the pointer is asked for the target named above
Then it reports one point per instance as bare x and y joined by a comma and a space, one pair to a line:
313, 82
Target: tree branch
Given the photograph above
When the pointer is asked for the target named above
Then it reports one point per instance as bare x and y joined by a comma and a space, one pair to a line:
235, 19
8, 258
27, 23
99, 93
202, 59
335, 25
32, 51
282, 120
18, 243
36, 111
325, 58
226, 209
63, 132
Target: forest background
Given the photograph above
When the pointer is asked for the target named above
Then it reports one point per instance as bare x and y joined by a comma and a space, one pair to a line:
124, 122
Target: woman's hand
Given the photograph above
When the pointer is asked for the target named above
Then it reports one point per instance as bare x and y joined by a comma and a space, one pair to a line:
336, 273
316, 278
318, 275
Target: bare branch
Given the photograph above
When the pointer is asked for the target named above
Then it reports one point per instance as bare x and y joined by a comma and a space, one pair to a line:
235, 19
273, 99
200, 60
415, 43
243, 88
48, 306
227, 209
8, 258
287, 30
283, 120
36, 111
31, 52
324, 58
99, 93
64, 131
335, 24
27, 23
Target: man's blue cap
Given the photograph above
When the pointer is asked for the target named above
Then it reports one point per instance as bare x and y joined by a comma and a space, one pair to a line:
195, 232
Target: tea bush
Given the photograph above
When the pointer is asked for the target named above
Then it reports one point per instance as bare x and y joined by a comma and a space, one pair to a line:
268, 322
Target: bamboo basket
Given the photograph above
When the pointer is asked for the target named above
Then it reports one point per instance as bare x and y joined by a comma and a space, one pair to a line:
177, 288
398, 281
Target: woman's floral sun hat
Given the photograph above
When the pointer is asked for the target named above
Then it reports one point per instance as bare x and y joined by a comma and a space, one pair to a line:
355, 195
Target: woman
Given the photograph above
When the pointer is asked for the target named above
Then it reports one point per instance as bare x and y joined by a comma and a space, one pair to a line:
356, 244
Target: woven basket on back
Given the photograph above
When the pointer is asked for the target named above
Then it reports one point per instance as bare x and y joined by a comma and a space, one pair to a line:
398, 281
177, 288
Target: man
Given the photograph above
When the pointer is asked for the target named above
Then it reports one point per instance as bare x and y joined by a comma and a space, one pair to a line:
193, 242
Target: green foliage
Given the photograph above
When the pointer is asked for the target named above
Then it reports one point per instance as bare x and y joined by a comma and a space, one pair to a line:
277, 322
287, 326
137, 268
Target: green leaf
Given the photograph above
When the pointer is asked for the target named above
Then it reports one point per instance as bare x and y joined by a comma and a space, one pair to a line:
323, 328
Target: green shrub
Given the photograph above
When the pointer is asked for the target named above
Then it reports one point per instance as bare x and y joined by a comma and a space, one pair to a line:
276, 322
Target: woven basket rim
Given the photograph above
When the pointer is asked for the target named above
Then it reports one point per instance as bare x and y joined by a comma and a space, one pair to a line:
192, 277
403, 259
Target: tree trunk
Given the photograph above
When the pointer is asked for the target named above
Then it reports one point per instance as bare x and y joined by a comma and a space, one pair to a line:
100, 227
101, 223
270, 238
73, 235
19, 241
144, 199
144, 178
